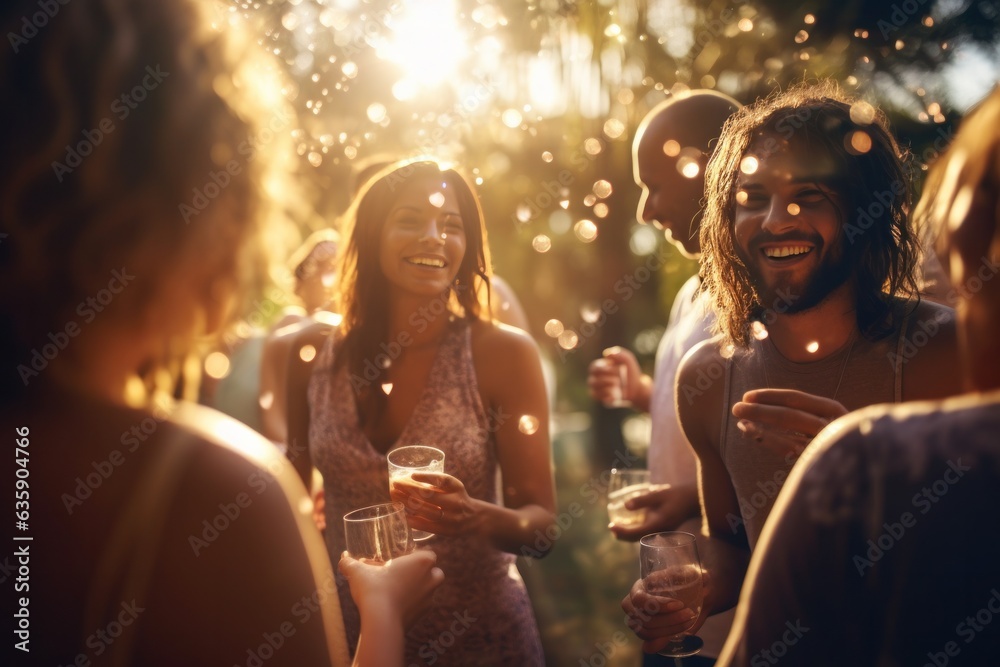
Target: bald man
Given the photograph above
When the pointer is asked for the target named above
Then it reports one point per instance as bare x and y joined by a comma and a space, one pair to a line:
671, 149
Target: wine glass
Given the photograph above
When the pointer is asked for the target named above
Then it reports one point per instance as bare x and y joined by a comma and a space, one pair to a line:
623, 485
378, 532
405, 461
670, 567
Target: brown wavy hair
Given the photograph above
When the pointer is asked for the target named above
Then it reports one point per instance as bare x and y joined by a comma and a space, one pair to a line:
130, 196
883, 253
362, 287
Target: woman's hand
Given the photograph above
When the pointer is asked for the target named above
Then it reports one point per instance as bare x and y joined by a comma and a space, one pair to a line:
438, 503
401, 586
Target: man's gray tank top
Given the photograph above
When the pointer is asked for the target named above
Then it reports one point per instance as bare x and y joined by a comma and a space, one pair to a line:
860, 373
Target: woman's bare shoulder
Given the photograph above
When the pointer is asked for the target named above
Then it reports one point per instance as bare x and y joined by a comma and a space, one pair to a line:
498, 337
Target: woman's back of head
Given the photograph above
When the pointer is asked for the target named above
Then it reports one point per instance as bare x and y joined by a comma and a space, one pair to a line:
131, 146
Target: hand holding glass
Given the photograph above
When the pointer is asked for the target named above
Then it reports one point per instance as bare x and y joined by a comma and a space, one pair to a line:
669, 566
405, 461
378, 532
623, 485
620, 372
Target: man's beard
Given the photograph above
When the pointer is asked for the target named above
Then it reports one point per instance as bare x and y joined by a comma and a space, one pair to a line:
791, 298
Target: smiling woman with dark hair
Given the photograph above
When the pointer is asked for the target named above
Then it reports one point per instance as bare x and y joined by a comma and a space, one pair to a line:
418, 361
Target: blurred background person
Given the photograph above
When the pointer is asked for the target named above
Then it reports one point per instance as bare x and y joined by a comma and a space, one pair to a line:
315, 276
673, 133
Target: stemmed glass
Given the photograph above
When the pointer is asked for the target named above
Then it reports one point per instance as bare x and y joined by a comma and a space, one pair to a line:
670, 567
405, 461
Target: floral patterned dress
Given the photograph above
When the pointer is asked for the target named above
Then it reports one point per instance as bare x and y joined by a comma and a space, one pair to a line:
481, 614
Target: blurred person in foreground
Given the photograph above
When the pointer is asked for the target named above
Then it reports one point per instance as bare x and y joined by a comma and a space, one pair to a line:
810, 259
882, 548
675, 134
418, 360
155, 532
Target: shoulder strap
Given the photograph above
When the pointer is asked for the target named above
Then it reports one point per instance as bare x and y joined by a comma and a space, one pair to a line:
898, 386
127, 561
724, 424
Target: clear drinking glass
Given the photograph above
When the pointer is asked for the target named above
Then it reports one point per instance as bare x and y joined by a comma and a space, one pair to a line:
405, 461
618, 399
378, 532
623, 485
669, 566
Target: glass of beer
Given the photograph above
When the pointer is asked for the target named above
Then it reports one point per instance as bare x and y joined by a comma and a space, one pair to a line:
405, 461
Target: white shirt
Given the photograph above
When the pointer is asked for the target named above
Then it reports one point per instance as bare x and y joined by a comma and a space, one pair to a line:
671, 460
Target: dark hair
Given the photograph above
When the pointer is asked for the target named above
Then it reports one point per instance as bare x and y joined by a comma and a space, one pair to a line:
874, 185
363, 288
90, 183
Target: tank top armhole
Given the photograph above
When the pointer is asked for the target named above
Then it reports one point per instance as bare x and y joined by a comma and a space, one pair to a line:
898, 370
724, 426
